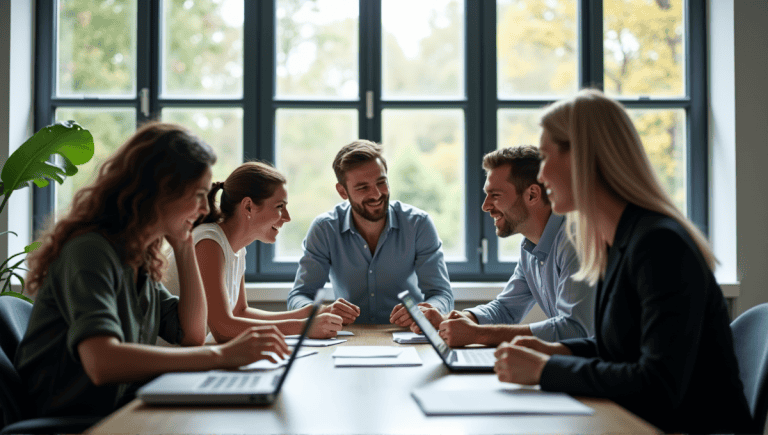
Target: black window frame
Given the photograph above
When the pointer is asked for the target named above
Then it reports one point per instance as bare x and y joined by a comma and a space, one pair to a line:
480, 106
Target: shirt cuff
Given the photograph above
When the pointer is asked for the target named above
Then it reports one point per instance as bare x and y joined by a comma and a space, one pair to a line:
482, 319
82, 330
556, 373
542, 330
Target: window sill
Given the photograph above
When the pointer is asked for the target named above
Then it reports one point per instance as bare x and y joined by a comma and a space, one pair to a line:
462, 291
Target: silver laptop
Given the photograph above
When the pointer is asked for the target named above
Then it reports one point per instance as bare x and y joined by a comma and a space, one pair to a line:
223, 387
472, 360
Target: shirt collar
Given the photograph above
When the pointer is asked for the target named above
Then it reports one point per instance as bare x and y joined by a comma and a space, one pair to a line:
347, 224
541, 251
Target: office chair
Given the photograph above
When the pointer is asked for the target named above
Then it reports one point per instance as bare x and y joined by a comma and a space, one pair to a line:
14, 405
750, 340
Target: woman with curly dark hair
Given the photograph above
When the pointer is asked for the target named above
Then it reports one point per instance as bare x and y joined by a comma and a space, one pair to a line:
100, 305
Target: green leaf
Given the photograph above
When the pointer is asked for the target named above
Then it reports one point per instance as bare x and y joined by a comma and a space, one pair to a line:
17, 295
29, 163
4, 263
21, 280
31, 247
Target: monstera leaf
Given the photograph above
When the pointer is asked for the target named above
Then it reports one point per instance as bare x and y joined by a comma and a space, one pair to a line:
29, 163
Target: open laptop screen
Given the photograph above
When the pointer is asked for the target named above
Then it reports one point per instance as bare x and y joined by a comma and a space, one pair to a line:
432, 335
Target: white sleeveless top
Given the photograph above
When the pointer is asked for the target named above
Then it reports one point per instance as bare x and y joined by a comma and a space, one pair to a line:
234, 264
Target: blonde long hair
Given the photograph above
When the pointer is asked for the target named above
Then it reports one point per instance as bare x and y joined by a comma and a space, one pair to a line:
606, 149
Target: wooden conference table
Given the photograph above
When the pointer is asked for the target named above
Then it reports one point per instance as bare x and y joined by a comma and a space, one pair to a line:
318, 398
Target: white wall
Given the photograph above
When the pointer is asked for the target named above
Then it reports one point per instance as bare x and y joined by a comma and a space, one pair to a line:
738, 59
16, 111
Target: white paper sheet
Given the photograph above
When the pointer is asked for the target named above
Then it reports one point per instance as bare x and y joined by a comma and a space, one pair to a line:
291, 340
343, 333
408, 338
367, 352
485, 395
408, 357
266, 364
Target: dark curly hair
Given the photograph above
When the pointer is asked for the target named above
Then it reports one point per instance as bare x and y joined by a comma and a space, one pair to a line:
153, 166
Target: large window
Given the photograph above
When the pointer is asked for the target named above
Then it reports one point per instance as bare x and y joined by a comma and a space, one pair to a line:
438, 82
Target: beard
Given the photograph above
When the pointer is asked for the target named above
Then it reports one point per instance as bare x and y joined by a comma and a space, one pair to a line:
512, 222
359, 208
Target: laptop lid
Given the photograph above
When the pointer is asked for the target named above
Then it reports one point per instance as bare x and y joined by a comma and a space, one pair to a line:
315, 306
429, 331
224, 387
479, 360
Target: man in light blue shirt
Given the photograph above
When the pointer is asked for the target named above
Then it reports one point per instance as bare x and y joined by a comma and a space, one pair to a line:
370, 248
519, 204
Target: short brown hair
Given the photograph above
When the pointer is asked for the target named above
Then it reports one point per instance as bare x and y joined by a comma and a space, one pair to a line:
523, 161
355, 154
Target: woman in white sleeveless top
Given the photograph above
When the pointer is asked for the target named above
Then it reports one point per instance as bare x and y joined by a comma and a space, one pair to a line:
252, 207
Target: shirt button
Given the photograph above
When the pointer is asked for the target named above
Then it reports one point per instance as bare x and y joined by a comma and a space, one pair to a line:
370, 271
365, 246
541, 262
372, 295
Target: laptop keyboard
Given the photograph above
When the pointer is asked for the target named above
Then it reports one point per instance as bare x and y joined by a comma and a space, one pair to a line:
229, 382
479, 357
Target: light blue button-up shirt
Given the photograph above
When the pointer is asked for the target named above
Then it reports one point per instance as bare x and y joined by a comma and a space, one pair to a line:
544, 276
408, 256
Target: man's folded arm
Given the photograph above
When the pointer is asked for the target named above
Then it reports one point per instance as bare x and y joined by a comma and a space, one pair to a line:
314, 267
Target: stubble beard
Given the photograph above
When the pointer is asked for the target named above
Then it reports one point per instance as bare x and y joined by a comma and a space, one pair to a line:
361, 211
511, 225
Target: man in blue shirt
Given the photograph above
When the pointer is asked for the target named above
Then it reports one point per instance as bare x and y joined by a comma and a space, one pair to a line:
370, 248
518, 203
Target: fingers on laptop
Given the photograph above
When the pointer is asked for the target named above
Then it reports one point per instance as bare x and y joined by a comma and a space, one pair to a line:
400, 316
415, 329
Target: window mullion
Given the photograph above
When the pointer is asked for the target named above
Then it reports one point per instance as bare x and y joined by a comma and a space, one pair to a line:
260, 261
698, 152
591, 44
369, 59
43, 201
147, 54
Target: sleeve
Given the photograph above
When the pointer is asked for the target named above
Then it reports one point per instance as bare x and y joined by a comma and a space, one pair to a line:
669, 277
314, 267
575, 300
89, 286
430, 267
170, 327
583, 347
511, 305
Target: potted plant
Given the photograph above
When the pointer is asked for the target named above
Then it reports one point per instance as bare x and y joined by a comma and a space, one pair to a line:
30, 164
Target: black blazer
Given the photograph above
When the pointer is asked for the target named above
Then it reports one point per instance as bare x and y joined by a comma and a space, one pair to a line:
663, 347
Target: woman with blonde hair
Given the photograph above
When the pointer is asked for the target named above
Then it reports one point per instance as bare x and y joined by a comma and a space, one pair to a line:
663, 346
99, 304
253, 206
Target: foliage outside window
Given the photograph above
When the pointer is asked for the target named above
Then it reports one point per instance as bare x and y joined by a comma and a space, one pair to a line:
450, 81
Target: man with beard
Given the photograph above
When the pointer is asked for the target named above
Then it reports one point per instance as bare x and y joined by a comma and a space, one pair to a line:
370, 248
518, 203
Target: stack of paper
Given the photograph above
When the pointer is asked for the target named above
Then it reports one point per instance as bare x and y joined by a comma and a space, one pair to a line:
485, 395
375, 356
291, 340
408, 338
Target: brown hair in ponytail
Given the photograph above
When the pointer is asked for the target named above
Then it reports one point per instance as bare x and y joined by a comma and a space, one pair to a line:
254, 180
